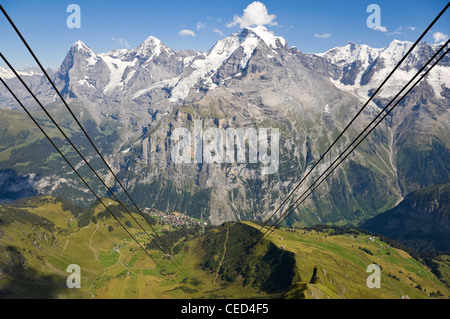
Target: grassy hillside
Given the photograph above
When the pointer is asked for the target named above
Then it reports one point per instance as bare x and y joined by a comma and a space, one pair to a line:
41, 236
342, 262
39, 240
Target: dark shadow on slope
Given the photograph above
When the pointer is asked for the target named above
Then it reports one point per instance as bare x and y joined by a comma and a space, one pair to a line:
25, 283
14, 186
263, 266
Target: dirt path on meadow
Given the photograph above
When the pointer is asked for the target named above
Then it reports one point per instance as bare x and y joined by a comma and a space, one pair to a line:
223, 257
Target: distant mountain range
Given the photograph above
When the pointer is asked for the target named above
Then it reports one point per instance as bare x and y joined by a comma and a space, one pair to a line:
132, 100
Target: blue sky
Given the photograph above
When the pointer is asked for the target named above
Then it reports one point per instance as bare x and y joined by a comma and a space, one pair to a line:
311, 26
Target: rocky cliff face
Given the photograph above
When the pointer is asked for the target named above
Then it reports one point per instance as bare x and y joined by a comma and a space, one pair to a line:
134, 100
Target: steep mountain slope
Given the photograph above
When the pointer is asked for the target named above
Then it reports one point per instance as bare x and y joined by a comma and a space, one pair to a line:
29, 163
421, 221
133, 100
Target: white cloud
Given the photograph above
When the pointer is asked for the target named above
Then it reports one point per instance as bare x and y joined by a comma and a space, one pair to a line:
255, 14
201, 25
380, 28
401, 30
322, 36
218, 32
396, 32
185, 33
121, 42
440, 37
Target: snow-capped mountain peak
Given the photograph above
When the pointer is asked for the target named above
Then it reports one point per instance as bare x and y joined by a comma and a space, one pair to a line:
396, 51
268, 37
351, 53
151, 48
152, 40
81, 46
80, 53
361, 68
8, 74
206, 66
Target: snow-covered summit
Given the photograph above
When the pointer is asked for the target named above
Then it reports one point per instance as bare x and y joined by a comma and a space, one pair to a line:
151, 48
206, 66
268, 37
8, 74
81, 46
362, 68
351, 53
